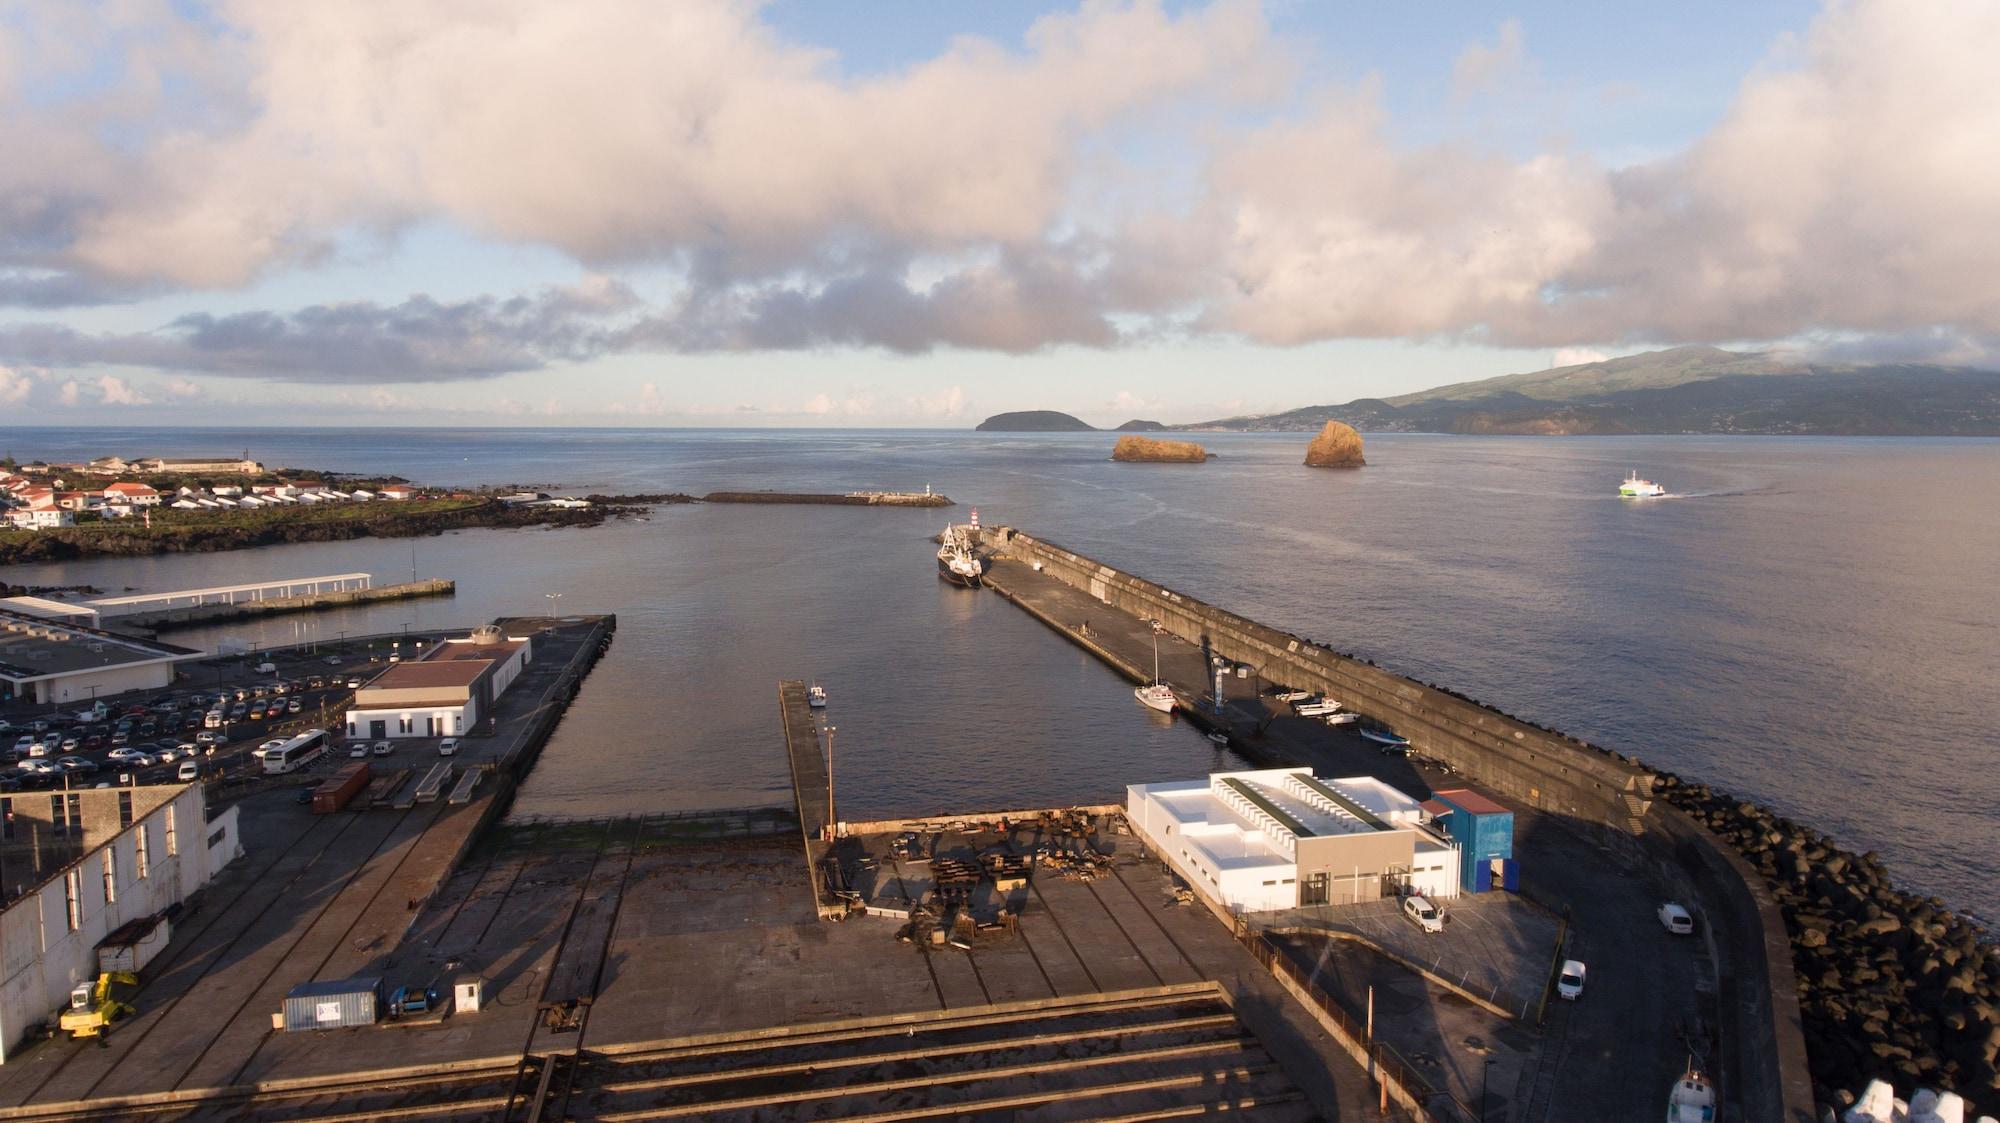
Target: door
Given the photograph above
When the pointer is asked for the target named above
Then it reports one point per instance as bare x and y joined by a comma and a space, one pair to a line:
1312, 890
378, 729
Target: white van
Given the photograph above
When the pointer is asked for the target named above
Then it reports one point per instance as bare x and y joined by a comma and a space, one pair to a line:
1676, 920
266, 668
448, 746
1569, 984
190, 770
1423, 913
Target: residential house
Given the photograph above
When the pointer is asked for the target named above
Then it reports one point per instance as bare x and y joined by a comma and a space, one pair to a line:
78, 500
41, 518
137, 494
399, 491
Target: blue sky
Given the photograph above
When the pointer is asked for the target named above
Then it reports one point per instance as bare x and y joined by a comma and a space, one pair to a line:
919, 214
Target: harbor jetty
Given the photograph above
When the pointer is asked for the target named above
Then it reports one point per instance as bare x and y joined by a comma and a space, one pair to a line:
1583, 803
193, 615
848, 499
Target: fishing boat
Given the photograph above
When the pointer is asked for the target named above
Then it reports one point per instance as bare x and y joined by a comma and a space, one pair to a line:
1384, 737
1156, 694
1341, 719
1692, 1099
1636, 488
816, 697
956, 561
1218, 737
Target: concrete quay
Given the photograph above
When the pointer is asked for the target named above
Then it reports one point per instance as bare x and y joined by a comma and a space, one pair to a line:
168, 619
1588, 836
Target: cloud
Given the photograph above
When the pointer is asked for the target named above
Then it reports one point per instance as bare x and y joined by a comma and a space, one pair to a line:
1481, 69
71, 394
14, 386
115, 391
959, 202
1576, 356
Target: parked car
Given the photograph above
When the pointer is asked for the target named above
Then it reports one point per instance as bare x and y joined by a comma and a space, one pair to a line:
190, 770
22, 742
70, 744
448, 747
93, 741
305, 795
39, 725
354, 683
208, 738
331, 660
1569, 984
359, 751
1423, 913
294, 706
121, 737
384, 748
317, 682
75, 764
1676, 919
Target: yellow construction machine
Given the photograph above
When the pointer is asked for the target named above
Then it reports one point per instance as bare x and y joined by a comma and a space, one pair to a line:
94, 1006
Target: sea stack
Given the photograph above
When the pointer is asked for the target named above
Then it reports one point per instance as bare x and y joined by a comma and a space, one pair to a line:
1154, 450
1337, 446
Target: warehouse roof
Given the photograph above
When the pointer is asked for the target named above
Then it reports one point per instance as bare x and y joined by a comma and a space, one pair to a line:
430, 674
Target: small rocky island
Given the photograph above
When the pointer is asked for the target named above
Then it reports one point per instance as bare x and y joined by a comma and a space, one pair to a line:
1152, 450
1337, 446
1034, 421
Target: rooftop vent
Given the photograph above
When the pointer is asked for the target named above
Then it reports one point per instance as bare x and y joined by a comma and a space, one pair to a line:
486, 635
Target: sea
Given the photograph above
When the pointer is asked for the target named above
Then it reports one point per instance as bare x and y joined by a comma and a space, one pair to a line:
1809, 623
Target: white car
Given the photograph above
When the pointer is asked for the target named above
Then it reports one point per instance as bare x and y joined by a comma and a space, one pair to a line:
130, 758
448, 746
1569, 984
1675, 919
1423, 913
359, 751
384, 748
262, 750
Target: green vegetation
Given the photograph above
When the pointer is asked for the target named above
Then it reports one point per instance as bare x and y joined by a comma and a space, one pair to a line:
205, 531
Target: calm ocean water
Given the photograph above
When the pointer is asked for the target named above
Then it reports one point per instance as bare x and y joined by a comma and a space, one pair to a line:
1809, 622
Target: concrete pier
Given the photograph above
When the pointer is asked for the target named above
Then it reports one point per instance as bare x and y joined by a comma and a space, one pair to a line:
167, 619
811, 788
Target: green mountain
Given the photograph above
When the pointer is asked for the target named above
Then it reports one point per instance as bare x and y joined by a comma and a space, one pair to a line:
1034, 421
1681, 390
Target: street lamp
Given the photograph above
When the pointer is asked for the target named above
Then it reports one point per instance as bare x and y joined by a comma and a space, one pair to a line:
552, 599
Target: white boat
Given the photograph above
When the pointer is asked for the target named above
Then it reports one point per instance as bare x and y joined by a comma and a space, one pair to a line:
1636, 488
816, 697
1317, 708
1156, 694
1293, 695
956, 561
1341, 719
1692, 1100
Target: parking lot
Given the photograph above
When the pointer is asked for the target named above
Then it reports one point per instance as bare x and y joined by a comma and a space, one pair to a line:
150, 736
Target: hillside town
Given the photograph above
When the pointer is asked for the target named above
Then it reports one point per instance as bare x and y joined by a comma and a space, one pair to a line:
51, 496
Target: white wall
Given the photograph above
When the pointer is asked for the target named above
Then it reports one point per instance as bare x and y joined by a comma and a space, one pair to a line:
1254, 889
108, 681
41, 959
453, 722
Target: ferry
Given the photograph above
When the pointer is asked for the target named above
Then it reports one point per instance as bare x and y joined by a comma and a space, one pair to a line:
1636, 488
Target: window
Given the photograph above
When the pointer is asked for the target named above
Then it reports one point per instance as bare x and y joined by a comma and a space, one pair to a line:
110, 875
141, 855
75, 813
58, 825
6, 818
124, 809
403, 724
173, 841
73, 896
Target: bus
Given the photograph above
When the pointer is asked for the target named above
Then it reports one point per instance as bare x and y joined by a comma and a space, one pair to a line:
295, 753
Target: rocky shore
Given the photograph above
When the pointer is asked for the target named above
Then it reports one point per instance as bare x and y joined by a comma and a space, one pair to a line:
1891, 984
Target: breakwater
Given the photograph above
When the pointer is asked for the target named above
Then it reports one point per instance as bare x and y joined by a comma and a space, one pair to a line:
1608, 798
194, 615
847, 499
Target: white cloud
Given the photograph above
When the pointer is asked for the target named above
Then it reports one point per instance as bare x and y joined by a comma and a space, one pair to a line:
15, 386
183, 388
944, 404
115, 391
1482, 69
1576, 356
70, 395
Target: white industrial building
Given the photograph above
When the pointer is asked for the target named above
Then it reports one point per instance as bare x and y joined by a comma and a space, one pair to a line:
50, 661
444, 694
1280, 838
101, 859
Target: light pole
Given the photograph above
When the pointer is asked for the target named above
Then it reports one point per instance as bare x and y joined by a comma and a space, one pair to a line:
552, 599
830, 819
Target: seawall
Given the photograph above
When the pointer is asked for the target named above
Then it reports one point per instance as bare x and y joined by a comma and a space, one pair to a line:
849, 499
169, 619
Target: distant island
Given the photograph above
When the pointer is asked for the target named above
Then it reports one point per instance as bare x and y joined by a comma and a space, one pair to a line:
1679, 390
1034, 421
1136, 426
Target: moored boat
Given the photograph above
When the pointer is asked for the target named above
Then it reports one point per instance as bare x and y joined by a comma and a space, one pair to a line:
956, 561
816, 697
1384, 737
1692, 1099
1156, 694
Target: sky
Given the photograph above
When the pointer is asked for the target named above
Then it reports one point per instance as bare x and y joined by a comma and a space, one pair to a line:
712, 213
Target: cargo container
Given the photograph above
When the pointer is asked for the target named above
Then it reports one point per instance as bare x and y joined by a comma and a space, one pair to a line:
341, 787
131, 946
333, 1004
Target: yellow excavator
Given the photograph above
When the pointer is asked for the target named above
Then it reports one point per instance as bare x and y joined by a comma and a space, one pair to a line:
94, 1006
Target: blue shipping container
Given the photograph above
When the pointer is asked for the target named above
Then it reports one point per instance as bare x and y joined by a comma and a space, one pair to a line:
1484, 832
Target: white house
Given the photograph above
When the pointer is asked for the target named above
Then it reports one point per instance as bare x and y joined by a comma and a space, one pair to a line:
137, 494
40, 518
444, 694
1280, 838
116, 510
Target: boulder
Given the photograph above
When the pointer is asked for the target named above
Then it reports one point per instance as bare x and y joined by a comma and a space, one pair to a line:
1153, 450
1337, 446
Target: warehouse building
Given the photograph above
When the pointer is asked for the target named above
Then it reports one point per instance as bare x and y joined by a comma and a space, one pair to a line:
444, 694
1280, 838
83, 869
50, 661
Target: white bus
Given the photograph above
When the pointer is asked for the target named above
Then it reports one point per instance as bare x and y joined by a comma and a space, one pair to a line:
296, 753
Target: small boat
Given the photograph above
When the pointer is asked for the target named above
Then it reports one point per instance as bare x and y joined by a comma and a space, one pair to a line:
1156, 694
1636, 488
1319, 707
816, 697
1341, 719
1384, 737
956, 561
1292, 695
1692, 1100
1218, 738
